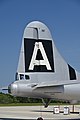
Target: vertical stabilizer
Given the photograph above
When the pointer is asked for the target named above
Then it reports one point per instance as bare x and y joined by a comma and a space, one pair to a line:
40, 56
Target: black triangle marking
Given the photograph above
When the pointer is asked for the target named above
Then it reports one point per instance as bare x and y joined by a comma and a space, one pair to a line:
39, 55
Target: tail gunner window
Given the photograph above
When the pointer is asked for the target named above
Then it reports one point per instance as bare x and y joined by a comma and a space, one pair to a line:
21, 76
27, 77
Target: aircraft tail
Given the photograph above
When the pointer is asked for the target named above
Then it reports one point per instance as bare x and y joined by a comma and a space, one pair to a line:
39, 57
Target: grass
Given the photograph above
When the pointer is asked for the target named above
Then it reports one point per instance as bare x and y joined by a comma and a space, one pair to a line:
30, 104
21, 104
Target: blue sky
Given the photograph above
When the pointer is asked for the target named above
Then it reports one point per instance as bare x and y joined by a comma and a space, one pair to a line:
61, 16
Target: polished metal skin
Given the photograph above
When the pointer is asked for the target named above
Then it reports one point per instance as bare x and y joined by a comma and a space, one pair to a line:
42, 72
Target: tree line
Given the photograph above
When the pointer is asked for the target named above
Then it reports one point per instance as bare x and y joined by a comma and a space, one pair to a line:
8, 99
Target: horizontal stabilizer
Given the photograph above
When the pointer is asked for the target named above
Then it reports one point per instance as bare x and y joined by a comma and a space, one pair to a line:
54, 84
4, 88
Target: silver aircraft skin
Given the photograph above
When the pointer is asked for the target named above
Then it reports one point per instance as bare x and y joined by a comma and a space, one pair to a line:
42, 72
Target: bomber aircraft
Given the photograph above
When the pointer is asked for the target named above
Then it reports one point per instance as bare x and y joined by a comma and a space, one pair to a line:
42, 72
